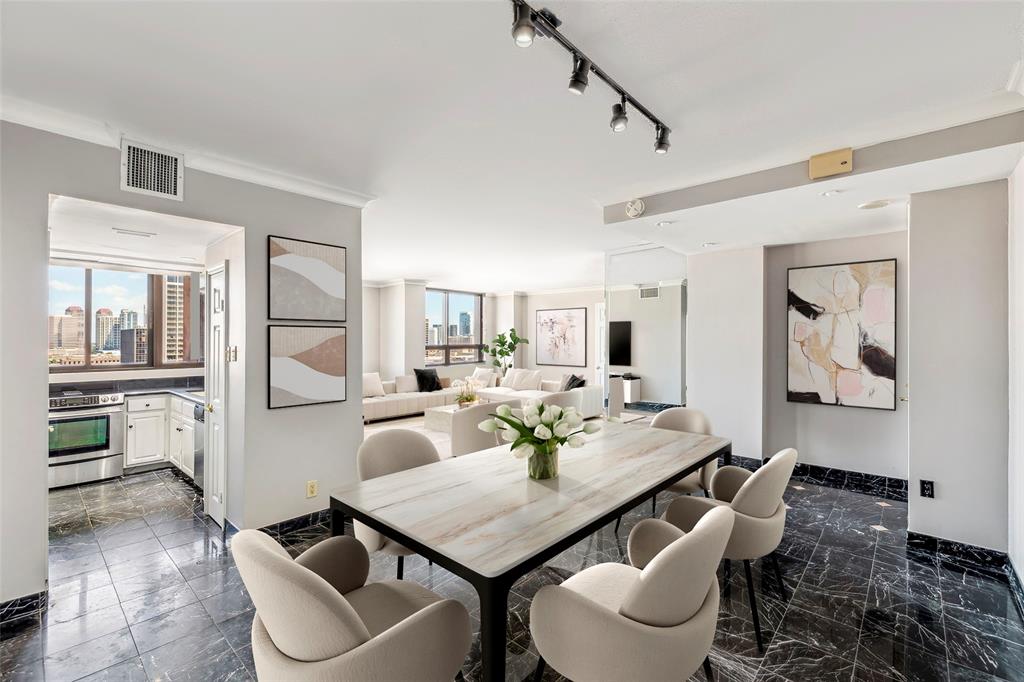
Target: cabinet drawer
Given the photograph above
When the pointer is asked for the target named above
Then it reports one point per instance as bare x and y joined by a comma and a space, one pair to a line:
147, 402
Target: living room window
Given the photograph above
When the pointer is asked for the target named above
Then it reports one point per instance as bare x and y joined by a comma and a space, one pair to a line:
453, 328
108, 318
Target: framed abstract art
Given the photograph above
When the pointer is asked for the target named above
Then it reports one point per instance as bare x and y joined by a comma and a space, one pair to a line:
307, 365
841, 334
562, 337
306, 280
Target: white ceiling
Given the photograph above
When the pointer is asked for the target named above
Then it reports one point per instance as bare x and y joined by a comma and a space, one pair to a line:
90, 230
490, 176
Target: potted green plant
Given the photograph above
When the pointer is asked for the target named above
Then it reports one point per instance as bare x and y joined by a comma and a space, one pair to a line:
502, 347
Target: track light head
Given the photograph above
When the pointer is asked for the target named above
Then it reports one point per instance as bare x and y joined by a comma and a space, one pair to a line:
580, 76
661, 143
523, 30
619, 118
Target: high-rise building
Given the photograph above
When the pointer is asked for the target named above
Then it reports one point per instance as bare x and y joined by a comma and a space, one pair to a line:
134, 346
453, 330
104, 330
174, 318
426, 330
128, 319
464, 323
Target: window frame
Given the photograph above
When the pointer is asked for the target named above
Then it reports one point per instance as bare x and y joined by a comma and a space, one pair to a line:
446, 347
155, 347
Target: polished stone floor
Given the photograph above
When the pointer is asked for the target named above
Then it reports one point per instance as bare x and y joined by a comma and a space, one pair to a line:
143, 588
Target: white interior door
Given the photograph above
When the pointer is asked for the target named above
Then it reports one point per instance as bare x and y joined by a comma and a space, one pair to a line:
215, 463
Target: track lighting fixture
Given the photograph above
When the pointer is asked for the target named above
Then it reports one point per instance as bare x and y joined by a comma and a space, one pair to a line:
580, 75
529, 23
523, 30
661, 144
619, 118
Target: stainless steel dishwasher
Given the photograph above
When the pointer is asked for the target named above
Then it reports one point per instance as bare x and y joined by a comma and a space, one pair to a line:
199, 442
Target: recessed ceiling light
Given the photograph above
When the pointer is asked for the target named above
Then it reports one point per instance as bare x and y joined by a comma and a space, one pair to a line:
831, 192
665, 223
708, 245
877, 203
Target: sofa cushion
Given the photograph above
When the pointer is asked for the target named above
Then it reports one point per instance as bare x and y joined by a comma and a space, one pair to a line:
509, 380
406, 384
427, 380
482, 376
372, 385
528, 381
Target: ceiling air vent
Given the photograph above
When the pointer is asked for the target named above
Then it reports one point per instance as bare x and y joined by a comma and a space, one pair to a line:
152, 171
650, 292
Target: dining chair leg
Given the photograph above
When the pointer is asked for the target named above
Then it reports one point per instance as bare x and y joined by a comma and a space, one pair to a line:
460, 677
401, 566
654, 505
774, 557
753, 606
709, 675
706, 493
617, 522
538, 673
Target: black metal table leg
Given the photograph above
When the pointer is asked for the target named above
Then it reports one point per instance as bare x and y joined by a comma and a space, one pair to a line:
337, 522
493, 622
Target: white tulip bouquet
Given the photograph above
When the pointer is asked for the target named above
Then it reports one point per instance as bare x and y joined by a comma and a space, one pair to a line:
537, 431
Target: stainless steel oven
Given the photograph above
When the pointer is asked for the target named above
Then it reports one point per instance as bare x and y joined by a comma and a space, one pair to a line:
86, 438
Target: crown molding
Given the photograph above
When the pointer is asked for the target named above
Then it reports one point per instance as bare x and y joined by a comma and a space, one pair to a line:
570, 290
26, 113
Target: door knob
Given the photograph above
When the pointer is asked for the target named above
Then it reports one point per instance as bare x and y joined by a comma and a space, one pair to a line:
209, 408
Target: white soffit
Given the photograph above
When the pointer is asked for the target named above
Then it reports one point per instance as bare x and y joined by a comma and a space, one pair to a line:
803, 214
91, 230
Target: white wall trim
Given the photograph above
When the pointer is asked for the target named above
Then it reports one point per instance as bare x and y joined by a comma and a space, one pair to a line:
26, 113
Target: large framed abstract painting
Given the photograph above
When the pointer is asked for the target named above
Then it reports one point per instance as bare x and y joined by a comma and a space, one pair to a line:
306, 280
562, 337
307, 365
842, 335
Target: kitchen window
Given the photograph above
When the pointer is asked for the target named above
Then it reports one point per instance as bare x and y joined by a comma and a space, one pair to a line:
111, 318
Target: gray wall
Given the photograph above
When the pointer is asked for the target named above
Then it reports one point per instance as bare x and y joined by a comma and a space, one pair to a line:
1015, 487
725, 344
657, 340
371, 329
958, 363
570, 299
284, 448
869, 441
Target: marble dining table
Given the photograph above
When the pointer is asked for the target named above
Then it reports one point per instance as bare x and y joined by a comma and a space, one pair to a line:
482, 518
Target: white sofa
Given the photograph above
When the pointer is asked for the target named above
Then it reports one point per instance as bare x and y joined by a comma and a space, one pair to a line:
588, 400
394, 404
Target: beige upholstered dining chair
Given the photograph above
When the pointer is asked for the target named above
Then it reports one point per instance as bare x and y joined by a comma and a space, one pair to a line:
385, 453
317, 620
756, 497
655, 621
466, 434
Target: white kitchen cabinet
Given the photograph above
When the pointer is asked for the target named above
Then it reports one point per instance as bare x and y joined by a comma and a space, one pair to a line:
188, 447
146, 437
174, 440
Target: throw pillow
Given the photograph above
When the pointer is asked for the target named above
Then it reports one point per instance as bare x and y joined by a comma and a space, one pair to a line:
427, 380
372, 386
527, 381
482, 376
406, 384
446, 382
509, 380
575, 382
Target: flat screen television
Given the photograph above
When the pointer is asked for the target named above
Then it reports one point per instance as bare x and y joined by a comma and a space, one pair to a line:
619, 343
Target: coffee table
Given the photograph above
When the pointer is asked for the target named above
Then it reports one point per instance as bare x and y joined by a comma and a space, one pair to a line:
439, 418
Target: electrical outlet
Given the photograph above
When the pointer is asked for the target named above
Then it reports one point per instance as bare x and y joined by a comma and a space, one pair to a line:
927, 488
312, 488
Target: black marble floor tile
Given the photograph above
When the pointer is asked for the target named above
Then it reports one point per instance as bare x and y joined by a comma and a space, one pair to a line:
90, 657
859, 604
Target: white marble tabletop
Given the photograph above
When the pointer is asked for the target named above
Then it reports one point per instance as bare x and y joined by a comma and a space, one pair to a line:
484, 512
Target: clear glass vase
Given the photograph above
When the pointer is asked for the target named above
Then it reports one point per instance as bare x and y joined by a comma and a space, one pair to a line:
543, 465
